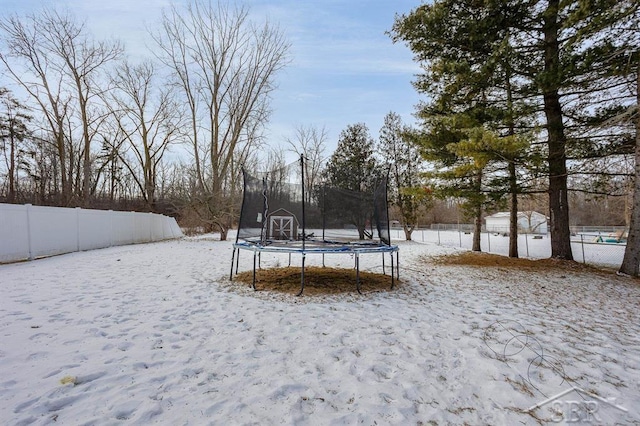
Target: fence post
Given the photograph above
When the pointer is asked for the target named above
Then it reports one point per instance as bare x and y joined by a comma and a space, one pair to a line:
110, 228
584, 260
526, 242
150, 221
29, 233
438, 234
78, 228
489, 240
136, 230
459, 235
422, 233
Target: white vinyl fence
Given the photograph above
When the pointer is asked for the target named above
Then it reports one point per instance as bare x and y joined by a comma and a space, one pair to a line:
29, 232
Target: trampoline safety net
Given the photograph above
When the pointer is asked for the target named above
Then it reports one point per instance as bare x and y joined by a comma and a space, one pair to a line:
286, 205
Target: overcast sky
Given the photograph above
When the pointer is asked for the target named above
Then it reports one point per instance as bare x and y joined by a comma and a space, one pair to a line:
344, 68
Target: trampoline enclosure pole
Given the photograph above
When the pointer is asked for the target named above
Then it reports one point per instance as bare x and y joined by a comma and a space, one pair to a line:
254, 271
358, 272
233, 255
302, 275
392, 276
304, 230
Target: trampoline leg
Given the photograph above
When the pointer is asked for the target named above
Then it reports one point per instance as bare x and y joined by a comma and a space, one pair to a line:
233, 255
289, 259
384, 271
398, 266
392, 276
254, 271
260, 260
302, 277
358, 273
237, 261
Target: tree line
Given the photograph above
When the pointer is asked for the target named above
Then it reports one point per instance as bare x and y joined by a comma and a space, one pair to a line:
96, 125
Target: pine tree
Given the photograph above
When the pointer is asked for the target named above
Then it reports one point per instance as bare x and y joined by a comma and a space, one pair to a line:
498, 159
13, 132
454, 175
352, 166
353, 173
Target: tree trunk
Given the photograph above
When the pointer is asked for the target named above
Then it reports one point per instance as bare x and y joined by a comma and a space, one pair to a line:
224, 231
408, 230
477, 233
631, 261
12, 166
513, 211
558, 199
148, 167
86, 159
65, 177
513, 178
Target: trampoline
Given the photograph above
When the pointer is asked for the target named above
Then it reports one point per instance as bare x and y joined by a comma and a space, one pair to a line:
285, 212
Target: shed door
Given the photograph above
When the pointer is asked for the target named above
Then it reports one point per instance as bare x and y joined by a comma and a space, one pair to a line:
281, 227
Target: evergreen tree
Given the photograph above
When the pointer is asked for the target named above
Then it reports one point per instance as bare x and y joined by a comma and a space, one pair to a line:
353, 173
471, 83
352, 166
497, 159
13, 132
453, 176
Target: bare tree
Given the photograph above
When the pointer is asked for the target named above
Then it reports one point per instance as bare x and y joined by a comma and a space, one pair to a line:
150, 121
59, 65
176, 53
82, 59
310, 141
225, 66
27, 63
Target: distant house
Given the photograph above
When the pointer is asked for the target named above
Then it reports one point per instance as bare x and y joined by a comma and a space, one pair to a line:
528, 222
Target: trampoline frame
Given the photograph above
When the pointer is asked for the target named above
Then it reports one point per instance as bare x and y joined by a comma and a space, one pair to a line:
318, 247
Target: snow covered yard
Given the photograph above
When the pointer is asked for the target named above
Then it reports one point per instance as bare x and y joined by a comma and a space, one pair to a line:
156, 333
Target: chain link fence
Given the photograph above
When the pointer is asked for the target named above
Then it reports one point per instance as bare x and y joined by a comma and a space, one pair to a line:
590, 245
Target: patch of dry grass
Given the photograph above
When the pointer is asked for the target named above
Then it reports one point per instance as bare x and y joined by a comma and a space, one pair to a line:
317, 280
472, 258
